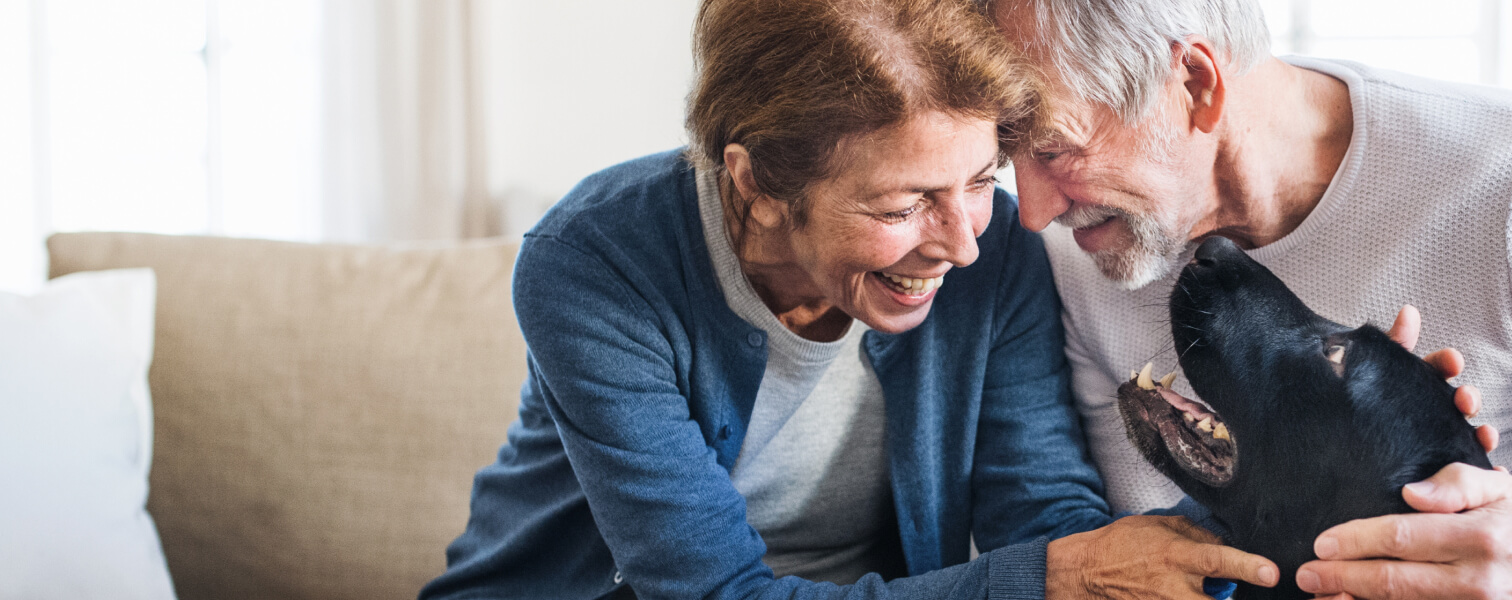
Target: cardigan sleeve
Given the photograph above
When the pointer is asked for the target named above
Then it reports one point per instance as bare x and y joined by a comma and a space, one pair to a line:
674, 523
1032, 474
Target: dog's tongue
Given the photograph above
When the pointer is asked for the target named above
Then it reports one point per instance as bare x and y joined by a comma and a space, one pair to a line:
1182, 403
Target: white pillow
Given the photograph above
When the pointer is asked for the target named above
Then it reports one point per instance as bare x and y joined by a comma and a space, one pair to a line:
76, 441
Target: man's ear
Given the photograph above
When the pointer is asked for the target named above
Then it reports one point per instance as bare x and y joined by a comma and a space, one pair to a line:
1200, 74
766, 211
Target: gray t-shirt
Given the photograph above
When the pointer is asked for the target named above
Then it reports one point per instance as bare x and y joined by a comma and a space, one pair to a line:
813, 466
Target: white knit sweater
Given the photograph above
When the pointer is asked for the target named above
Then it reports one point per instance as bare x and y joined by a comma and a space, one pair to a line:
1417, 214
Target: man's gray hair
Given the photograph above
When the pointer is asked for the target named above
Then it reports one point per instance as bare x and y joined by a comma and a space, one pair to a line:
1118, 52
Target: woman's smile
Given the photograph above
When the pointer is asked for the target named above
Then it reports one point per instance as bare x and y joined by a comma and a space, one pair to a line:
907, 291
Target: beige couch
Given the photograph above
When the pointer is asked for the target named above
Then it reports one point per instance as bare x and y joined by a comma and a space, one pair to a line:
320, 409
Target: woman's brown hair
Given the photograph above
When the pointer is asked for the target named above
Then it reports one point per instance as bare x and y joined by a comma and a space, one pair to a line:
789, 79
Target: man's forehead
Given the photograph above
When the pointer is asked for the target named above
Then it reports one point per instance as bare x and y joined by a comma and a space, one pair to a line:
1069, 120
1066, 117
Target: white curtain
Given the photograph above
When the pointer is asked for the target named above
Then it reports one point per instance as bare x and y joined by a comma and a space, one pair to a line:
404, 153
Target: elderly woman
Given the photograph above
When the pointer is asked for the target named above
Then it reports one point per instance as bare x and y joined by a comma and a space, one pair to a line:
815, 348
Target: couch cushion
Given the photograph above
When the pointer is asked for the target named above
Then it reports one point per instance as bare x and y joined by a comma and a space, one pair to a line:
320, 410
76, 441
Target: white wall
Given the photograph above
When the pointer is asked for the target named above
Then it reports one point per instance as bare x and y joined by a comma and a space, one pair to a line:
579, 85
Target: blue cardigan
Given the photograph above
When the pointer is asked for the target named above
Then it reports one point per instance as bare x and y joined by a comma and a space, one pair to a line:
641, 386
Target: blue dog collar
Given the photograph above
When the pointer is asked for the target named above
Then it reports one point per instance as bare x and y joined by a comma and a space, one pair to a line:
1219, 589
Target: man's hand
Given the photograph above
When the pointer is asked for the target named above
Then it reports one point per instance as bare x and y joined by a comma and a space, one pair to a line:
1452, 554
1450, 363
1147, 557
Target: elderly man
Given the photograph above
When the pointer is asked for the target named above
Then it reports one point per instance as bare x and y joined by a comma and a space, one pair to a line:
1363, 189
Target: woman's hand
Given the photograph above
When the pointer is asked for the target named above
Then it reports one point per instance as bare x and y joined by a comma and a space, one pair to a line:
1147, 557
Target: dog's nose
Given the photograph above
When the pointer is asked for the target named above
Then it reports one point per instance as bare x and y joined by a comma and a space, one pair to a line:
1214, 249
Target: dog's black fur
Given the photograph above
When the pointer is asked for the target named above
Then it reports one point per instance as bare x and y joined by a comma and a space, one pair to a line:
1314, 443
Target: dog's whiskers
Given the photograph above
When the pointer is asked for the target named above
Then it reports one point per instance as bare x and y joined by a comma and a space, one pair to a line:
1189, 348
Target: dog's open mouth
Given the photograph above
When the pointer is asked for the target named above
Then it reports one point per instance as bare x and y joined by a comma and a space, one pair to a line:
1192, 435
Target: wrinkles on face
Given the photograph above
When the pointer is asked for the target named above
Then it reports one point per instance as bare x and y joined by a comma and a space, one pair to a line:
904, 208
1124, 190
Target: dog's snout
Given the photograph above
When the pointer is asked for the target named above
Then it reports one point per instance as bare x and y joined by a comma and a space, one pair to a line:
1214, 250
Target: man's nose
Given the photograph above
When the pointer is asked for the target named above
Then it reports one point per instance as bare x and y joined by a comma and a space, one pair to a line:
1040, 201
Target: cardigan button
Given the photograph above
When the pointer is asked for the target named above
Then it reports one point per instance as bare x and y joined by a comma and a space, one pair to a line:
754, 339
724, 432
618, 578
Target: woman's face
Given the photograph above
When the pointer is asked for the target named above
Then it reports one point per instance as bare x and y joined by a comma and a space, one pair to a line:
905, 206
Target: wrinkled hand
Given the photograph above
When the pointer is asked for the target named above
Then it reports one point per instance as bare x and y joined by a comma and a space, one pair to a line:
1452, 554
1147, 557
1450, 363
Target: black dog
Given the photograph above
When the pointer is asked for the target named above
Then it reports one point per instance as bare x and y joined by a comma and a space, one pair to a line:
1308, 423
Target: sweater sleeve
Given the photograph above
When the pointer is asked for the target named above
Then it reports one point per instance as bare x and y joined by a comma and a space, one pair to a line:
673, 521
1032, 475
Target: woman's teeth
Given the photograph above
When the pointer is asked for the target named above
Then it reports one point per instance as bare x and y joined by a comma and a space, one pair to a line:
913, 286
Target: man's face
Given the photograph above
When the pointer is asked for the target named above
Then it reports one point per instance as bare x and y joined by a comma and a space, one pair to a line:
1131, 193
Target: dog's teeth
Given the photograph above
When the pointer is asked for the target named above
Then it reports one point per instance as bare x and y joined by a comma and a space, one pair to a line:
1169, 379
1133, 375
1206, 424
1220, 432
1188, 418
1144, 380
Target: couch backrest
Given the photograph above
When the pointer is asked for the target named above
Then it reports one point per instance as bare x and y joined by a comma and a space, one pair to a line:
320, 410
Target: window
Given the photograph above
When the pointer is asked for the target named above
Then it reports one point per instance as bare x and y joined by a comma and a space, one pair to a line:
205, 116
166, 116
20, 251
1455, 40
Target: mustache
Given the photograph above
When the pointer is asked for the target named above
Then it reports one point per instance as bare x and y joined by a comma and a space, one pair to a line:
1088, 216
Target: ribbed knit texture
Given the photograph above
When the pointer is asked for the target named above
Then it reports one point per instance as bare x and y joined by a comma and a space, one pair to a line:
1417, 214
1018, 572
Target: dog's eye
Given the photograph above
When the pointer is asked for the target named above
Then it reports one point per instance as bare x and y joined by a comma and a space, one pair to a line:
1336, 356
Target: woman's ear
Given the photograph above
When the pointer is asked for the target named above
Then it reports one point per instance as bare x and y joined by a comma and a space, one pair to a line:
766, 211
1203, 81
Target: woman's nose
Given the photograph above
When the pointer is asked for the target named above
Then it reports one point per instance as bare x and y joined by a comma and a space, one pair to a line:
954, 232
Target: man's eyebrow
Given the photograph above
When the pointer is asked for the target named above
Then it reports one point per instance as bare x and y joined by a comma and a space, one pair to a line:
1050, 136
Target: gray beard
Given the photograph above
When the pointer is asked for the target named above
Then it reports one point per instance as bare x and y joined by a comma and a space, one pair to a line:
1153, 255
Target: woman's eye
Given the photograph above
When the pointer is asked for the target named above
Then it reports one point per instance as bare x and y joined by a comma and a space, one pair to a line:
985, 183
899, 215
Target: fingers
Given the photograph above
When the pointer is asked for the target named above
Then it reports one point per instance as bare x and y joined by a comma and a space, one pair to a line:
1457, 487
1448, 362
1488, 437
1406, 327
1381, 579
1409, 323
1213, 560
1467, 398
1416, 537
1190, 530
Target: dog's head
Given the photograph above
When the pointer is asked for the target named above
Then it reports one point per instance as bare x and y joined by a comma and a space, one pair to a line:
1306, 424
